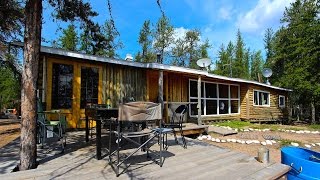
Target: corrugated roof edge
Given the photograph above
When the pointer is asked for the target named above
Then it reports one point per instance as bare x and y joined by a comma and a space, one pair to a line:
78, 55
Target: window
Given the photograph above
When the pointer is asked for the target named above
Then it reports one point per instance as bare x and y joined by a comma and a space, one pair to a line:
62, 76
261, 98
216, 99
89, 86
282, 101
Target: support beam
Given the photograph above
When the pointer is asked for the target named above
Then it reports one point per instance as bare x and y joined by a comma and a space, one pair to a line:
44, 79
160, 90
199, 101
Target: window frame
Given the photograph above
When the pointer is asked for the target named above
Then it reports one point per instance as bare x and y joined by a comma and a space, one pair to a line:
284, 101
55, 97
261, 91
86, 88
217, 99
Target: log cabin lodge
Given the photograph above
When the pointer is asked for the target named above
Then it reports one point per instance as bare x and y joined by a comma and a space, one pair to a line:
69, 80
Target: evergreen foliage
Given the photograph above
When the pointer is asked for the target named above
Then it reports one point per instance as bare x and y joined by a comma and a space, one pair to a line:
297, 53
163, 36
69, 39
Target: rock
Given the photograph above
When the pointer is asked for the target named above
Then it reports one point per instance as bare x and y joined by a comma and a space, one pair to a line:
209, 137
308, 146
312, 144
238, 141
266, 130
263, 143
294, 144
317, 144
259, 130
293, 131
306, 131
256, 141
236, 130
234, 140
248, 142
223, 141
243, 142
213, 139
218, 140
287, 130
273, 141
315, 132
268, 142
250, 129
204, 137
228, 140
200, 138
246, 130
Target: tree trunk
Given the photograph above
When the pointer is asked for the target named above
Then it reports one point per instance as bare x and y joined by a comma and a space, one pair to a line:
313, 113
32, 42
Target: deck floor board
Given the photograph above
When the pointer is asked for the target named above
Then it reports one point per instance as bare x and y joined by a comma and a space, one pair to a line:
199, 161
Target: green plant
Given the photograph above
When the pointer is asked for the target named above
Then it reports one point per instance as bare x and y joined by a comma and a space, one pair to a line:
314, 126
234, 124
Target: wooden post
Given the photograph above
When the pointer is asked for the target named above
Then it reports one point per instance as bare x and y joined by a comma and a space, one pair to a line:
44, 79
160, 90
199, 101
167, 98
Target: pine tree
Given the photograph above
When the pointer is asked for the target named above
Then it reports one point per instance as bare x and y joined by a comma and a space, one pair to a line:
239, 54
145, 41
163, 36
256, 65
69, 39
269, 45
297, 53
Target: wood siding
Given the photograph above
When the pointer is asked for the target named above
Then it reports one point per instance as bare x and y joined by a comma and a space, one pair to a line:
123, 82
117, 82
267, 112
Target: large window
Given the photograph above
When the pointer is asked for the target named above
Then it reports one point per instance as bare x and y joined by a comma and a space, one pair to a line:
261, 98
89, 86
62, 76
282, 101
216, 98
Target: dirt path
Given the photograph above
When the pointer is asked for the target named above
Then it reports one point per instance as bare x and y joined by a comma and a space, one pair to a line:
274, 150
9, 130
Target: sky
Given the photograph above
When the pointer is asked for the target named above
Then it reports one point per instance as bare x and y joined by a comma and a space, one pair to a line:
217, 20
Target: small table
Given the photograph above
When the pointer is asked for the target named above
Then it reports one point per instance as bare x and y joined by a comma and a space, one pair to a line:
98, 114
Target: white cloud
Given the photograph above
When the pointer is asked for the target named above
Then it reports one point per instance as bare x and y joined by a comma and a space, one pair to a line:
180, 33
225, 13
266, 13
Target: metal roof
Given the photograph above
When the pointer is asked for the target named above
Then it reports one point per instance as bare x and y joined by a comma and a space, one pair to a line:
62, 52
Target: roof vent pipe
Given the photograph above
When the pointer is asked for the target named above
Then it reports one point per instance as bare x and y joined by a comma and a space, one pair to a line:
129, 57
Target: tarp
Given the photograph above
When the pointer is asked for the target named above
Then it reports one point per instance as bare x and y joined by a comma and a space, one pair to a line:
139, 111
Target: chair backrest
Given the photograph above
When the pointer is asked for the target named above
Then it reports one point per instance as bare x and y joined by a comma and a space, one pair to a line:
139, 111
179, 114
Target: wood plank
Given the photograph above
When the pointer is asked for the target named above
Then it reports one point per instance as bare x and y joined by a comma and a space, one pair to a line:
220, 130
273, 171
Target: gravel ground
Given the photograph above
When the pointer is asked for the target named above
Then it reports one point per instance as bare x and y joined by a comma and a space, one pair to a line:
9, 130
274, 150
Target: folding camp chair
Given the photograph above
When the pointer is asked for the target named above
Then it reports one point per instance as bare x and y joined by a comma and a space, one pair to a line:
176, 121
136, 124
50, 129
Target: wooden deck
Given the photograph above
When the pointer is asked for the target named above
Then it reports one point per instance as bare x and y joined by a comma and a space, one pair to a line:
198, 161
193, 129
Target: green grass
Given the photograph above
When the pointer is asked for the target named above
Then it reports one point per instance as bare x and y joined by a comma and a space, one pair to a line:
273, 127
234, 124
314, 126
